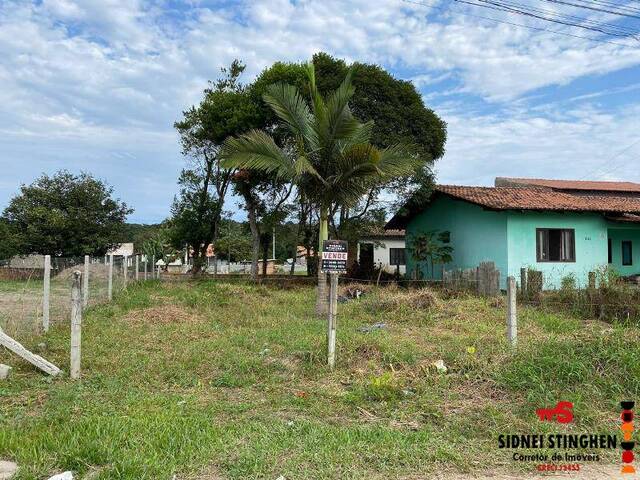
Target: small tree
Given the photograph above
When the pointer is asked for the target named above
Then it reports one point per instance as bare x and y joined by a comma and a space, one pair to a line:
429, 247
67, 215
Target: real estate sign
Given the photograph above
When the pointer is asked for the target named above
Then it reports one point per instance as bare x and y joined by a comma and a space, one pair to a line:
334, 256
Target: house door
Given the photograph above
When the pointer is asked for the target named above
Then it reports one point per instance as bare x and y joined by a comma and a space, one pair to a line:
366, 256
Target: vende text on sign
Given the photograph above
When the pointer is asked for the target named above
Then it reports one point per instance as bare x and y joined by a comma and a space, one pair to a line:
334, 256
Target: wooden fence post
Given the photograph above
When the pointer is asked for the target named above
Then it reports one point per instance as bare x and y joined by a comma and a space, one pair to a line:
110, 284
137, 267
76, 324
333, 308
85, 286
512, 319
46, 292
523, 283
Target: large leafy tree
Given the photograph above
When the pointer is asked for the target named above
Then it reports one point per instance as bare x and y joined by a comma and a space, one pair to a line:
9, 240
225, 110
67, 215
399, 115
330, 156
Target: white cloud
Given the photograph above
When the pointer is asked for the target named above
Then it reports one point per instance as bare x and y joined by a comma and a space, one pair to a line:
583, 143
113, 75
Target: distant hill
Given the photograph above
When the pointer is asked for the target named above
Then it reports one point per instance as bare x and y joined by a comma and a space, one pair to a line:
139, 232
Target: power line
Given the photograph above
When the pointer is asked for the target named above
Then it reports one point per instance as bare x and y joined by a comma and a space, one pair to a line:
596, 8
529, 27
570, 21
597, 169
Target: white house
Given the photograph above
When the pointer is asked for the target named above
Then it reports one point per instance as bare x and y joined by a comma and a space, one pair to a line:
122, 250
387, 249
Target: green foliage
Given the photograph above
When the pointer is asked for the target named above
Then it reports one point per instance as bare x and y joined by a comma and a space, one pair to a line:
138, 233
226, 110
158, 247
431, 247
332, 160
66, 215
234, 243
9, 240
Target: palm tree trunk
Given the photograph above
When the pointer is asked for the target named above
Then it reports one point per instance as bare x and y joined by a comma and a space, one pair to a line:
322, 302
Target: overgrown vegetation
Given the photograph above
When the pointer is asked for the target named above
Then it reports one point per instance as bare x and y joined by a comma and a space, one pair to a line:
608, 298
210, 380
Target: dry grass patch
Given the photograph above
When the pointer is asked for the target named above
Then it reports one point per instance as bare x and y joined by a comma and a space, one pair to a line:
391, 299
163, 315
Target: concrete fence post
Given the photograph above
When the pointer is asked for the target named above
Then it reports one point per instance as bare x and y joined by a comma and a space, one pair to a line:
137, 267
110, 284
512, 319
46, 292
146, 266
125, 270
85, 285
76, 324
333, 308
153, 267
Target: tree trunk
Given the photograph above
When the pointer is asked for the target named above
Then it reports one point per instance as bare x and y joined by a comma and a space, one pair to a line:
255, 233
322, 302
265, 254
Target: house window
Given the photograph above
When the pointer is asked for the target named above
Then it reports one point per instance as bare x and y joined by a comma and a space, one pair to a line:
627, 254
396, 256
555, 245
609, 252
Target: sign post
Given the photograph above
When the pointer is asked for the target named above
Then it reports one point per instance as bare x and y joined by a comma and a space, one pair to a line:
334, 262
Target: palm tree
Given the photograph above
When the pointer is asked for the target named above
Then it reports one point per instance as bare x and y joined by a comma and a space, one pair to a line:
329, 156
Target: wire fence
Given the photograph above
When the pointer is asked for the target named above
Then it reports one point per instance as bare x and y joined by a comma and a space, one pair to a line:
35, 291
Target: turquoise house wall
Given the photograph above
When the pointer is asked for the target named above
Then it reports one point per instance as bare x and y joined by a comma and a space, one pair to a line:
476, 235
619, 232
590, 244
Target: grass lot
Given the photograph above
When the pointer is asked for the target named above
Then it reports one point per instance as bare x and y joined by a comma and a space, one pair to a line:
212, 380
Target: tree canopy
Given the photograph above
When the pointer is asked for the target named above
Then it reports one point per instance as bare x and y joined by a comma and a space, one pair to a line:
66, 215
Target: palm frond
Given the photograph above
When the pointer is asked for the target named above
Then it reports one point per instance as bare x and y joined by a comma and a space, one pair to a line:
319, 124
361, 135
342, 124
290, 107
398, 160
255, 150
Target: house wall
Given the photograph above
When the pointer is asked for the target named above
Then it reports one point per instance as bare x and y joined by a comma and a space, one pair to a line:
381, 253
618, 233
476, 235
590, 244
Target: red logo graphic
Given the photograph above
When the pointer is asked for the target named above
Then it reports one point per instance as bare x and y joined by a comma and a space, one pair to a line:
561, 413
627, 435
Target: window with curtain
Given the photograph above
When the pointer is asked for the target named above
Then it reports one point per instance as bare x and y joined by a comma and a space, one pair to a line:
555, 245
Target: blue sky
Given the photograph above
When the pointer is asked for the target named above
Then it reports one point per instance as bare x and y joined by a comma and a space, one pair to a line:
96, 85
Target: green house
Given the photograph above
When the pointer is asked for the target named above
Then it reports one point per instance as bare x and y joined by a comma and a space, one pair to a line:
555, 226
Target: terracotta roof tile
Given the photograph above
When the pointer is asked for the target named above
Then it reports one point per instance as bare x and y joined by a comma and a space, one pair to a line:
570, 184
523, 198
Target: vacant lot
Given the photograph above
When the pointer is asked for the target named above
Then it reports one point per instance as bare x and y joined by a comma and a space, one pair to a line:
210, 381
